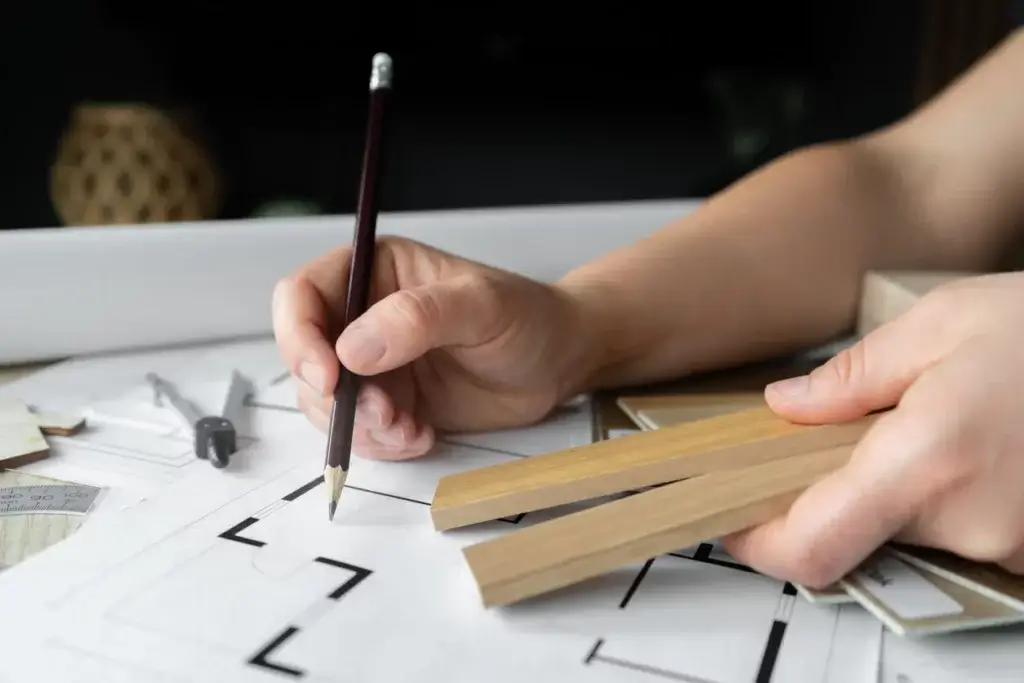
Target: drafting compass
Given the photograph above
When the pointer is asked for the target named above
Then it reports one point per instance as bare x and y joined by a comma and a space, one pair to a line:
215, 438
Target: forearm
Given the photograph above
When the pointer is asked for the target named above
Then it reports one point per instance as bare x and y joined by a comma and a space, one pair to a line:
770, 265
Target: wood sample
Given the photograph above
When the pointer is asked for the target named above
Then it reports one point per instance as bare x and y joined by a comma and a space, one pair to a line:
886, 295
655, 412
983, 577
629, 463
22, 536
21, 440
578, 546
56, 424
664, 410
913, 601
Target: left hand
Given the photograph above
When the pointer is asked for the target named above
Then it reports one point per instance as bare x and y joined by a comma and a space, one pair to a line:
944, 469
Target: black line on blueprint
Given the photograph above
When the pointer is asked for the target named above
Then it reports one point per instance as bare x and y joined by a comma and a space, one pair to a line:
771, 652
388, 495
232, 533
260, 658
636, 583
774, 644
489, 449
304, 489
593, 651
653, 670
280, 378
699, 557
358, 574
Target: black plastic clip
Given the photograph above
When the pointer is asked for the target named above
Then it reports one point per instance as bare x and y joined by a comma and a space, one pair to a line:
216, 440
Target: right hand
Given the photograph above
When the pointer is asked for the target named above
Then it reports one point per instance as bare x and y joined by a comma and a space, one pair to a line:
446, 344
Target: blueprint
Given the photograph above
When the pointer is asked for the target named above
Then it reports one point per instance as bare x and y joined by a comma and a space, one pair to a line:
236, 575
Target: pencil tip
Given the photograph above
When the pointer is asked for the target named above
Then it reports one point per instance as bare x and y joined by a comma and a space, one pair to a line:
331, 509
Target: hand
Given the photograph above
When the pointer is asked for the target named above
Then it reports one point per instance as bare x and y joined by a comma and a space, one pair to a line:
446, 344
944, 468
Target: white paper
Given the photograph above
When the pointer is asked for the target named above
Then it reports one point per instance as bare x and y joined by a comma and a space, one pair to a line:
983, 656
216, 566
73, 291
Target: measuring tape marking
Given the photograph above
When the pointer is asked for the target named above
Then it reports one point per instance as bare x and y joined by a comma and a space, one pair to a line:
47, 499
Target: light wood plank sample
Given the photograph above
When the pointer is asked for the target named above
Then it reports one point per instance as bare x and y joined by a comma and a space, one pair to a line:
886, 295
566, 550
21, 440
629, 463
57, 424
22, 536
655, 412
989, 579
913, 601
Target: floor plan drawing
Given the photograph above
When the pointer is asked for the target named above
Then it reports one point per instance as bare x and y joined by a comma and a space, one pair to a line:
237, 575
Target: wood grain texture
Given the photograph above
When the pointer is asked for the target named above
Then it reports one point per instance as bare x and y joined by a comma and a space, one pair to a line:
630, 463
22, 536
21, 440
570, 549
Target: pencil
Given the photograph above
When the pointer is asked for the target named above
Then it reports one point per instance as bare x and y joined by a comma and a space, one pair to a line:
339, 435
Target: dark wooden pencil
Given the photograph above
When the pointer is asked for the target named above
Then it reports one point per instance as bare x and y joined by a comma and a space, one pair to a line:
339, 435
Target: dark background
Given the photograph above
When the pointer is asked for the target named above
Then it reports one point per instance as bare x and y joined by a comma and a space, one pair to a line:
495, 106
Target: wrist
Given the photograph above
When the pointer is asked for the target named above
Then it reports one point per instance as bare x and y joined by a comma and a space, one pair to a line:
597, 335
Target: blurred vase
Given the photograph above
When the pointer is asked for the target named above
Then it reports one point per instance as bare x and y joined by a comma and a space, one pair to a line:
132, 164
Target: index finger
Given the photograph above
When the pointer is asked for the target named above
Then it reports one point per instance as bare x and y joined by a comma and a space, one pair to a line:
301, 319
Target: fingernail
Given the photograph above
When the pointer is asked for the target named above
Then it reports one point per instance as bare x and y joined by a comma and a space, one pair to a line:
794, 387
313, 376
364, 343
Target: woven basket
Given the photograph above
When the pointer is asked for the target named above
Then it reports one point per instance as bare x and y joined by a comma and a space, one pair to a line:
131, 165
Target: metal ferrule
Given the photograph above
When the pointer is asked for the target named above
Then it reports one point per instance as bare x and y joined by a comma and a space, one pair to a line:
381, 71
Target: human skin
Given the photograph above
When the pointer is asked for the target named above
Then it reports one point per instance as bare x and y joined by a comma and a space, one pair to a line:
770, 265
944, 468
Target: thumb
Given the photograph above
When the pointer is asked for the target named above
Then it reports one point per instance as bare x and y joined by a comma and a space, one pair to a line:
398, 329
870, 375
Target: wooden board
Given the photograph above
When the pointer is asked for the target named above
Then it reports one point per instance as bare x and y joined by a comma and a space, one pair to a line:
912, 601
654, 412
629, 463
983, 577
21, 440
22, 536
582, 545
56, 424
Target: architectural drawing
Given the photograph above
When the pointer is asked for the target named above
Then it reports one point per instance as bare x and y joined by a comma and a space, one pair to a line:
236, 575
243, 579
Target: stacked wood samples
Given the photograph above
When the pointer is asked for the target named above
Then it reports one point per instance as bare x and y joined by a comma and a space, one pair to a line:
629, 463
582, 545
